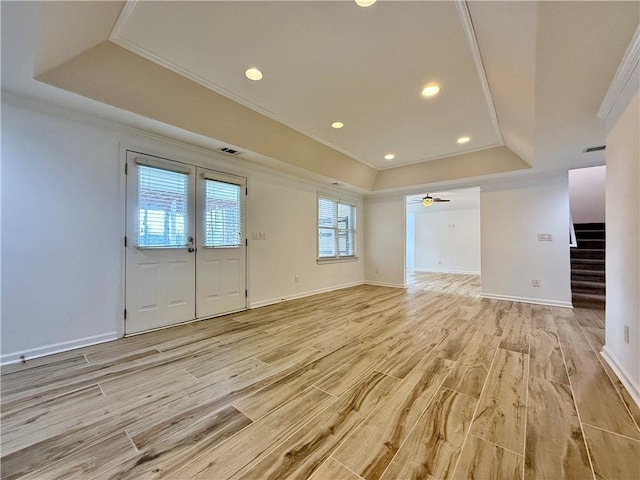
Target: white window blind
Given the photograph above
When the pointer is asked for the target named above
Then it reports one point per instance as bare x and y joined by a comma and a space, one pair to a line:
223, 214
336, 229
162, 207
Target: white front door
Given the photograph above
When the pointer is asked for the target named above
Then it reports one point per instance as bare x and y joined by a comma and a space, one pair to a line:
185, 244
160, 259
221, 243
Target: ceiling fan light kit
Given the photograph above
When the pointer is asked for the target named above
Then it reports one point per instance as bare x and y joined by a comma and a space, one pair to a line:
428, 200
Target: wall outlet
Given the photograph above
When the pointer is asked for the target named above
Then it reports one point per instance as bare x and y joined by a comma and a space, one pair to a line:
297, 278
377, 271
535, 283
545, 237
439, 262
626, 334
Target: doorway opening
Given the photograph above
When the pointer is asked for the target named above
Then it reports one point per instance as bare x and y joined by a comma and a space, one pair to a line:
443, 235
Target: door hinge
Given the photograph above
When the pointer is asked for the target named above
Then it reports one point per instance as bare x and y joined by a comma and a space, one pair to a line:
125, 240
125, 313
246, 242
126, 168
246, 293
246, 191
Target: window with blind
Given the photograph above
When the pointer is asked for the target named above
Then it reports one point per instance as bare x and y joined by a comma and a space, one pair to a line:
336, 229
162, 207
223, 214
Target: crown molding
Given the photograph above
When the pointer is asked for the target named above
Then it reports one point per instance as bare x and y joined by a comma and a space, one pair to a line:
125, 13
625, 81
467, 25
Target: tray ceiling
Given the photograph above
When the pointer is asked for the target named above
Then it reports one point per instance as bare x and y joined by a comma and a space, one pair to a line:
332, 61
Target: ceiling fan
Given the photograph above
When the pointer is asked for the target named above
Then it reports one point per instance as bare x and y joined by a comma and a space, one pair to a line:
428, 200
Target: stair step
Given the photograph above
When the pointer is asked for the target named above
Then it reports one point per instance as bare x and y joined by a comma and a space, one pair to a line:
598, 243
582, 234
589, 261
587, 300
589, 226
588, 253
587, 275
581, 286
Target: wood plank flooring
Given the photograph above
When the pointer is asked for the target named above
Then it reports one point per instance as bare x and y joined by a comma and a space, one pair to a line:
363, 383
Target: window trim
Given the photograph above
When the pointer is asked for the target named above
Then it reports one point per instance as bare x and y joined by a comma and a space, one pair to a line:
338, 258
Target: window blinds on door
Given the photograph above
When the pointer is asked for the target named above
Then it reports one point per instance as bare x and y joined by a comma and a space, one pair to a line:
162, 207
222, 214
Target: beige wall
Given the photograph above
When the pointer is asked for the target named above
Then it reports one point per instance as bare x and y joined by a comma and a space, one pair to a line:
623, 247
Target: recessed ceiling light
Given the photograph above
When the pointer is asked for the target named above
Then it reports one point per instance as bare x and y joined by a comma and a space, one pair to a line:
253, 74
464, 139
337, 125
430, 90
389, 156
365, 3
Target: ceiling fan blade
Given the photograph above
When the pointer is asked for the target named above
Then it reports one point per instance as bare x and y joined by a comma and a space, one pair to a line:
441, 200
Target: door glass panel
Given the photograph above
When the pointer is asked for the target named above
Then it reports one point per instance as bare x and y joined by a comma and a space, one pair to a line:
222, 215
162, 207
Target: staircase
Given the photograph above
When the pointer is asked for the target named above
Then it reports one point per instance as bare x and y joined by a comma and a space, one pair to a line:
587, 266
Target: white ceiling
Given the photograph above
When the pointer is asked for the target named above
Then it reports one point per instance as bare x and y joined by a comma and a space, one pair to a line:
327, 61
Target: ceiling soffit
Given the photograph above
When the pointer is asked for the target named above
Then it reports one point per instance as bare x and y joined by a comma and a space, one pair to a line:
112, 75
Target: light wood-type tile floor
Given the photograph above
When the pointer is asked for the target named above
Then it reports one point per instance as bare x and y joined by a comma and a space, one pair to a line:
363, 383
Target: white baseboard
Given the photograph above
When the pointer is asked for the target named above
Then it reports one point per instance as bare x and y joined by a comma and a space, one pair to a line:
632, 387
32, 353
383, 284
536, 301
444, 270
284, 298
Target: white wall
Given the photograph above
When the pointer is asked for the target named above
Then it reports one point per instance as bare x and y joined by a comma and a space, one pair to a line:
512, 256
448, 241
411, 240
63, 219
586, 194
623, 248
61, 234
384, 244
286, 211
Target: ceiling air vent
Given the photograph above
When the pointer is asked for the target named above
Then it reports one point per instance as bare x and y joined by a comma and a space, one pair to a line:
594, 149
230, 151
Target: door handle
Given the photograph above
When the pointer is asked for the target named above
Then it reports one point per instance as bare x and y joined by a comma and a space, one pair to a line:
191, 248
